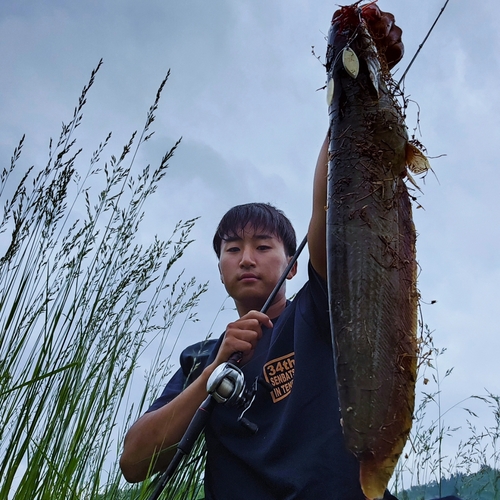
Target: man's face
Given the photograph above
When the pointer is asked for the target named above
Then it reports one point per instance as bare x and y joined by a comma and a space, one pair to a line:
250, 266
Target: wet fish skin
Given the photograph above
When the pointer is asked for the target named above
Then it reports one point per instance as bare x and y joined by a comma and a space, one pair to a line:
371, 259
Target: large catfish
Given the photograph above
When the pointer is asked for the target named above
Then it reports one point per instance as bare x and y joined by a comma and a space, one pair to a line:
371, 251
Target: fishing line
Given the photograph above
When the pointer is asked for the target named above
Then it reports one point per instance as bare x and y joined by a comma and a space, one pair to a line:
422, 44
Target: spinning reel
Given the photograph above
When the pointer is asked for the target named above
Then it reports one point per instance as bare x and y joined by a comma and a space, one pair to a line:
226, 385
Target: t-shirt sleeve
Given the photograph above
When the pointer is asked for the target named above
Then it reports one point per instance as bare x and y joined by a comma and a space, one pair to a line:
193, 360
318, 284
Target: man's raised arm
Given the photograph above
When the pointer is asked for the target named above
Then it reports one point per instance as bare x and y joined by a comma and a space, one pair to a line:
316, 234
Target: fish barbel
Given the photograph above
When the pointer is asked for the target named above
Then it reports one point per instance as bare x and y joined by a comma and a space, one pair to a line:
372, 265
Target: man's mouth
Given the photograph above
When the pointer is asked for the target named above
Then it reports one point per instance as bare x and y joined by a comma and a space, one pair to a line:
248, 276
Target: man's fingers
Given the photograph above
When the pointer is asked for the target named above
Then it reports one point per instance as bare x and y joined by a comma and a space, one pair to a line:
394, 54
380, 22
384, 30
244, 334
262, 319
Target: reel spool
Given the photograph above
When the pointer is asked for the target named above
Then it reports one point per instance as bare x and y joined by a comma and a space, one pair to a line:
226, 385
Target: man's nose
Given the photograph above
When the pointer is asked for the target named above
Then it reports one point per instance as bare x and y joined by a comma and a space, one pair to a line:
247, 258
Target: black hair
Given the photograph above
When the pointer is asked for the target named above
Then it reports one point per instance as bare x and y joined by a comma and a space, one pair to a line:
262, 216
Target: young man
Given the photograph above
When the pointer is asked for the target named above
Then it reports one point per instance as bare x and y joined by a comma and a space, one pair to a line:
298, 451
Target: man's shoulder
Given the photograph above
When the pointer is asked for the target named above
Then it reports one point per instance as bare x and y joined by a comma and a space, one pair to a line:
193, 360
315, 288
196, 355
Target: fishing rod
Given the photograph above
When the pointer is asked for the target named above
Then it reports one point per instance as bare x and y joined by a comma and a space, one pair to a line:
422, 44
225, 385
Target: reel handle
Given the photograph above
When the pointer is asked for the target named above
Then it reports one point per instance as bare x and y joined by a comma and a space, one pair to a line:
235, 358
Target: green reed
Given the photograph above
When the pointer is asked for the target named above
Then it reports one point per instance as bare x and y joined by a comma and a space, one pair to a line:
425, 470
80, 301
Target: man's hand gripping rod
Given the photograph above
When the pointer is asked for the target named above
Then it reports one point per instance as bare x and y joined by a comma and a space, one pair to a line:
225, 385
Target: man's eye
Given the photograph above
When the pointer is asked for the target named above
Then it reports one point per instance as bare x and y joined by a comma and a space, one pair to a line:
263, 247
232, 249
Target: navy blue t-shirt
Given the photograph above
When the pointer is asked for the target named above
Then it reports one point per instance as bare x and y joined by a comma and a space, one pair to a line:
298, 451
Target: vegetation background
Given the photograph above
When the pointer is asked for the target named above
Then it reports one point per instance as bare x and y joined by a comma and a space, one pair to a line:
82, 302
243, 73
244, 96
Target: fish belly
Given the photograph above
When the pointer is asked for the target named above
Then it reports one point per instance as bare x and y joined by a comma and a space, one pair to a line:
371, 264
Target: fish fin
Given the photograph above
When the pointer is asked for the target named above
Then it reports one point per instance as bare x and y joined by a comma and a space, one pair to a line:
371, 57
416, 161
374, 70
374, 477
412, 180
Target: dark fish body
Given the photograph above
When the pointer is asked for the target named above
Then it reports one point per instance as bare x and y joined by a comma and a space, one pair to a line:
371, 257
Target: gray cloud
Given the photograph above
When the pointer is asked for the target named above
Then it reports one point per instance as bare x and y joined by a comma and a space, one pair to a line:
243, 95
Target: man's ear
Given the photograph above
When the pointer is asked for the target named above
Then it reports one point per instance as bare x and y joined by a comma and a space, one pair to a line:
220, 273
292, 271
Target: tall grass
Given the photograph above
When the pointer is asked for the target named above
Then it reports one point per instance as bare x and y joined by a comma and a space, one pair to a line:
425, 469
80, 300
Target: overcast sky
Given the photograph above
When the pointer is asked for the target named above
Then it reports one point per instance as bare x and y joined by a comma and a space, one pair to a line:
243, 95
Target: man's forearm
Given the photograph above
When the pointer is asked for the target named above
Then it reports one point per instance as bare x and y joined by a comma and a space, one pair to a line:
150, 443
316, 235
